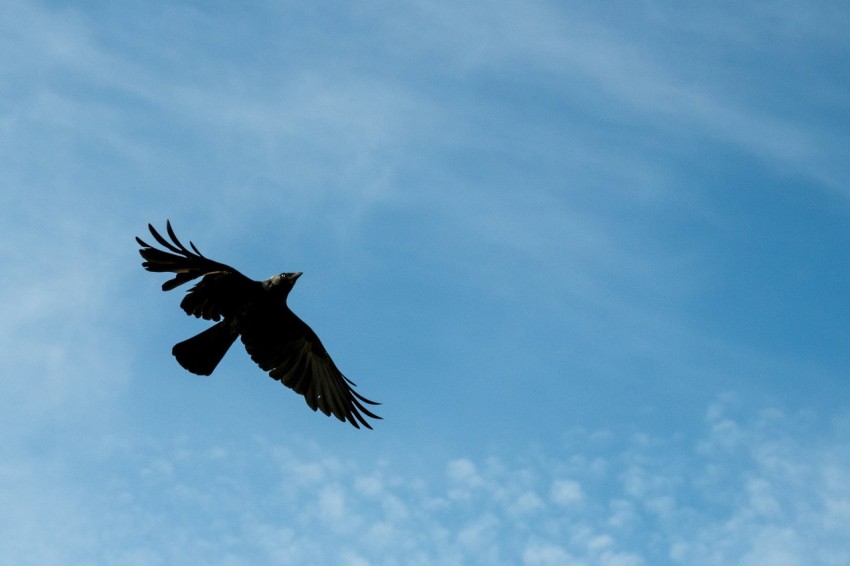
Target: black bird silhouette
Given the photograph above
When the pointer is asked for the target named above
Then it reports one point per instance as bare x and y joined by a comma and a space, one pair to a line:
277, 340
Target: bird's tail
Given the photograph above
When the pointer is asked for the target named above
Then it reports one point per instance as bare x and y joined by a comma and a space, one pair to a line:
200, 354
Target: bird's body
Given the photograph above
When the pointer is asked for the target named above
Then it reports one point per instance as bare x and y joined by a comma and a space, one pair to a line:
255, 311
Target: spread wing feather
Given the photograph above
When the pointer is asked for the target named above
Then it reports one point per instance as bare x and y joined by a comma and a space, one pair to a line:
184, 263
292, 354
222, 291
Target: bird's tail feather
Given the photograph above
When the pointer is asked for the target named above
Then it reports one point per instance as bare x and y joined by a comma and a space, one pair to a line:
200, 354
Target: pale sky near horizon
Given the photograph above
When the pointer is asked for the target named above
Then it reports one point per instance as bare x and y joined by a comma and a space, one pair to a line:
591, 257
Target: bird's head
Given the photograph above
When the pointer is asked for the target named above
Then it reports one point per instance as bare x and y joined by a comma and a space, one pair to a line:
281, 283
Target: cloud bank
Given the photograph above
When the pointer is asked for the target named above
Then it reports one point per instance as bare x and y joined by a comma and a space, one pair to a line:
746, 490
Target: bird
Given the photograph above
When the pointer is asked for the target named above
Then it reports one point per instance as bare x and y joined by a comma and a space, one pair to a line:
257, 313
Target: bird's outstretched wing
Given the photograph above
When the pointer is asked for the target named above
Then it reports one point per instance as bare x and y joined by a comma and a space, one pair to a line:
293, 354
222, 291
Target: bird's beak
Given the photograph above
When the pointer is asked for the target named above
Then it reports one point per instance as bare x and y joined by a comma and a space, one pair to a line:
297, 275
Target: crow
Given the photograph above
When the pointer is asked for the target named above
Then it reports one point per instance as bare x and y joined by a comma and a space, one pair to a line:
255, 311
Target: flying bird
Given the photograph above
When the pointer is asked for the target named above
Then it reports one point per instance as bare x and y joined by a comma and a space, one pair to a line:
255, 311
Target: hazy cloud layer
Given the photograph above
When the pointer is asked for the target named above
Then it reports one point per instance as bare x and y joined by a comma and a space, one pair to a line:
748, 489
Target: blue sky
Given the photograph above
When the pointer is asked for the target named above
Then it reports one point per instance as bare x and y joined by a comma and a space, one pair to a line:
592, 258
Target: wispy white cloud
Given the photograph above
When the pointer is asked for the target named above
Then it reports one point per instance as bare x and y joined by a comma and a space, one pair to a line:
764, 495
62, 357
